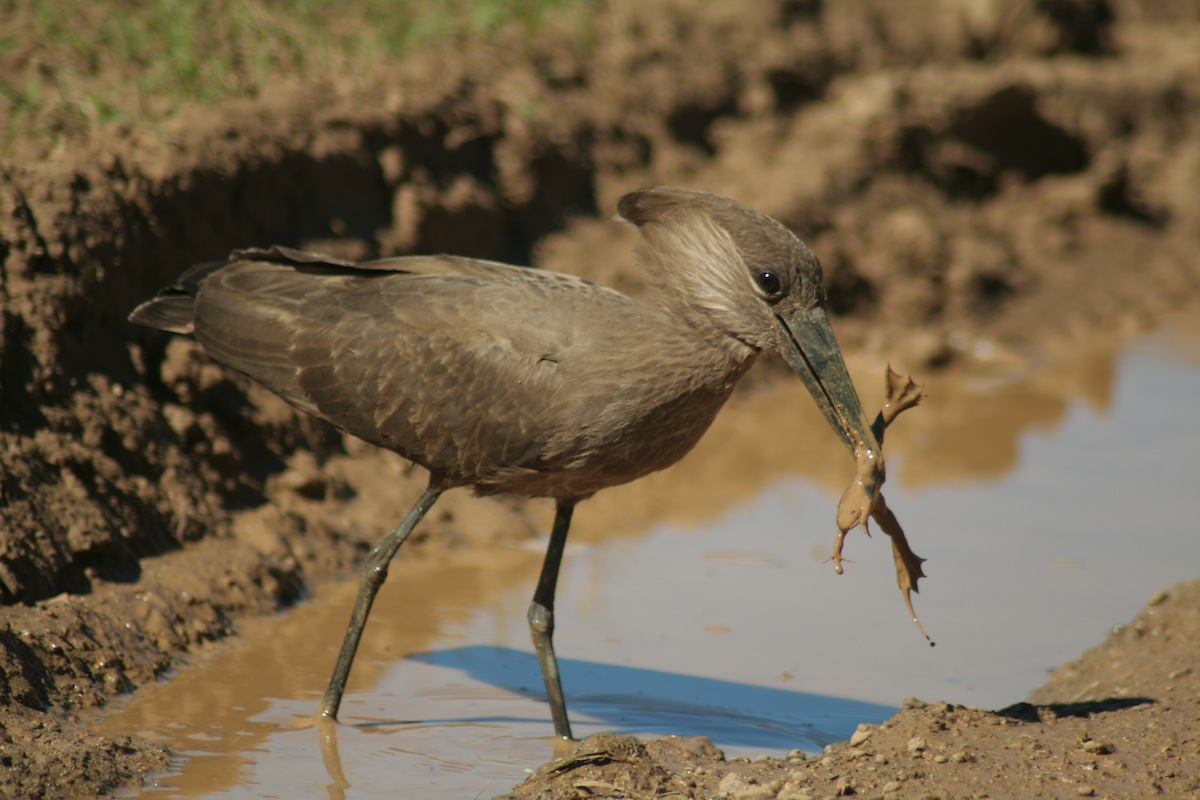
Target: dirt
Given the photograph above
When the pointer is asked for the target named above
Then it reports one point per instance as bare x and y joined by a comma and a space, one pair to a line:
986, 184
1119, 722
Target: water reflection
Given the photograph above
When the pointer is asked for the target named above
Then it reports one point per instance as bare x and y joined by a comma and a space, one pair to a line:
969, 430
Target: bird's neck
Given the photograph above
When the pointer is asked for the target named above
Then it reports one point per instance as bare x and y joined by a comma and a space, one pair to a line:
725, 357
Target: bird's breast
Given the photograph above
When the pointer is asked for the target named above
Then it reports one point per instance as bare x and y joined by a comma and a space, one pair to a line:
624, 434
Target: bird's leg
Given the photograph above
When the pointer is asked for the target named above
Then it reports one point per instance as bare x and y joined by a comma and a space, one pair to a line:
373, 575
541, 618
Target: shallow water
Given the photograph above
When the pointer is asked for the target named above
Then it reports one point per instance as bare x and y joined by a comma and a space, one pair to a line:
698, 601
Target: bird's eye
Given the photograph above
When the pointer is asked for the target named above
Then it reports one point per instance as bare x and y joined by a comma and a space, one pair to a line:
770, 283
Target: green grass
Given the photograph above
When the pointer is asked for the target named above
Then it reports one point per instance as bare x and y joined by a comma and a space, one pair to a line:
71, 65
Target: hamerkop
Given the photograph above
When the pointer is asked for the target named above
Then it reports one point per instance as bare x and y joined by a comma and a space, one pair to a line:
522, 381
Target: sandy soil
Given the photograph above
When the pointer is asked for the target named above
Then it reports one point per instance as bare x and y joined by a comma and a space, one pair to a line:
1119, 722
986, 184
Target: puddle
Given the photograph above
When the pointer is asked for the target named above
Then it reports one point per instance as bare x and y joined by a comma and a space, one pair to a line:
698, 601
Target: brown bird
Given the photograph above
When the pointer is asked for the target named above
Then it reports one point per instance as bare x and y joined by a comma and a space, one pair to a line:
523, 381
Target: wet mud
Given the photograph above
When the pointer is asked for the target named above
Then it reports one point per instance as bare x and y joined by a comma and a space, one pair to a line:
987, 187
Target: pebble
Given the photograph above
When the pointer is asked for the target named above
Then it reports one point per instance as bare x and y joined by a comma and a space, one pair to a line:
1085, 791
762, 758
891, 786
916, 745
755, 793
731, 784
940, 759
788, 794
796, 755
861, 734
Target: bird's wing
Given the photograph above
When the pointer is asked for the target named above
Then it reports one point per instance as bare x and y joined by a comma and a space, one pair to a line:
454, 363
416, 265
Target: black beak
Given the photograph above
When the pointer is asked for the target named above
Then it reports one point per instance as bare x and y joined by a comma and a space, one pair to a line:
812, 351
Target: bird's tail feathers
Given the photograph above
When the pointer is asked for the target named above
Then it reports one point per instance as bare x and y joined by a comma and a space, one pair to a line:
172, 313
174, 308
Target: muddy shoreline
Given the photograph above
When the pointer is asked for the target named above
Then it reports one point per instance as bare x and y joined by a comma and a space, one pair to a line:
149, 501
1114, 723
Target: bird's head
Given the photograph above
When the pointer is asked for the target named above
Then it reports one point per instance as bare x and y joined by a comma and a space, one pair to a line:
735, 271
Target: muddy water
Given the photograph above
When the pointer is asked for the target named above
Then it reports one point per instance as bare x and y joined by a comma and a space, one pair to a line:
698, 601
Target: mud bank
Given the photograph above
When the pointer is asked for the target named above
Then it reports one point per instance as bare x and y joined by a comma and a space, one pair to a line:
984, 188
1115, 723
